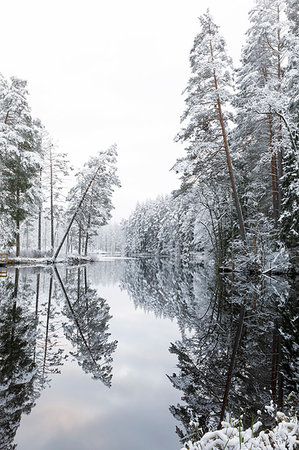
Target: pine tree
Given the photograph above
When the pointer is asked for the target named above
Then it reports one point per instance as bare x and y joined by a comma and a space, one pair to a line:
289, 220
260, 101
20, 160
209, 91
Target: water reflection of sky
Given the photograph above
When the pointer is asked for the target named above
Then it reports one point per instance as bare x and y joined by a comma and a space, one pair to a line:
77, 412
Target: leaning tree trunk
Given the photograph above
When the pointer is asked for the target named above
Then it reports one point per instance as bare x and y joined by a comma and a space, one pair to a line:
75, 214
227, 154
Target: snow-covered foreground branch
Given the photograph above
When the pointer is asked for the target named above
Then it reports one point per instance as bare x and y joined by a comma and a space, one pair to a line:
285, 435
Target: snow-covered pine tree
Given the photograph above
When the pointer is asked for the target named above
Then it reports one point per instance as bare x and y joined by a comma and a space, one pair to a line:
209, 91
289, 220
260, 101
20, 159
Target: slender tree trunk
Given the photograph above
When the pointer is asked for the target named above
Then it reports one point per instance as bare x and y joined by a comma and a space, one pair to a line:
273, 173
16, 287
27, 237
18, 247
228, 159
17, 238
37, 294
67, 245
279, 128
85, 279
51, 202
78, 284
39, 224
87, 236
79, 240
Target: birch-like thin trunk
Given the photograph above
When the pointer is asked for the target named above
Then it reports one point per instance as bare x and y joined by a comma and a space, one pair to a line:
51, 202
39, 223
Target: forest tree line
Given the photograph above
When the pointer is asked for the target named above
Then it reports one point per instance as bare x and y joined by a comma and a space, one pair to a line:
35, 206
239, 175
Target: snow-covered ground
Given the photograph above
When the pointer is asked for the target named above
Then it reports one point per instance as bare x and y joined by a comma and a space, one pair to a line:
283, 436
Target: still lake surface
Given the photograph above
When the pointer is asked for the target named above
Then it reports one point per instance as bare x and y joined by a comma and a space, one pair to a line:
125, 354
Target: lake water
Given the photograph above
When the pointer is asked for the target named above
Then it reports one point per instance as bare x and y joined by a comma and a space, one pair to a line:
125, 354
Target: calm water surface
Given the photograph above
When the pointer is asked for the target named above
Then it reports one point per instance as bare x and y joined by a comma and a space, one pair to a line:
125, 354
127, 405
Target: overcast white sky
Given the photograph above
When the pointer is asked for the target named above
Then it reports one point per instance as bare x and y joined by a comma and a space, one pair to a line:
103, 72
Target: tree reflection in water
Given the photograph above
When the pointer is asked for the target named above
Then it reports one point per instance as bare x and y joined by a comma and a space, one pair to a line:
32, 306
238, 345
87, 327
18, 389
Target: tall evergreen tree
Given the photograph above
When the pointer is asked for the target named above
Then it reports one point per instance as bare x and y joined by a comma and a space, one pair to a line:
260, 101
20, 160
289, 219
209, 90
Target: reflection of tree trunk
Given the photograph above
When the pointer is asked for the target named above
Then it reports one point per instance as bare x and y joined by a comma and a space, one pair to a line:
276, 377
14, 307
47, 324
78, 285
85, 279
37, 294
17, 273
36, 310
75, 317
232, 362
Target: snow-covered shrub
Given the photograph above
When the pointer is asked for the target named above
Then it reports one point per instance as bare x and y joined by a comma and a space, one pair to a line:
284, 435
